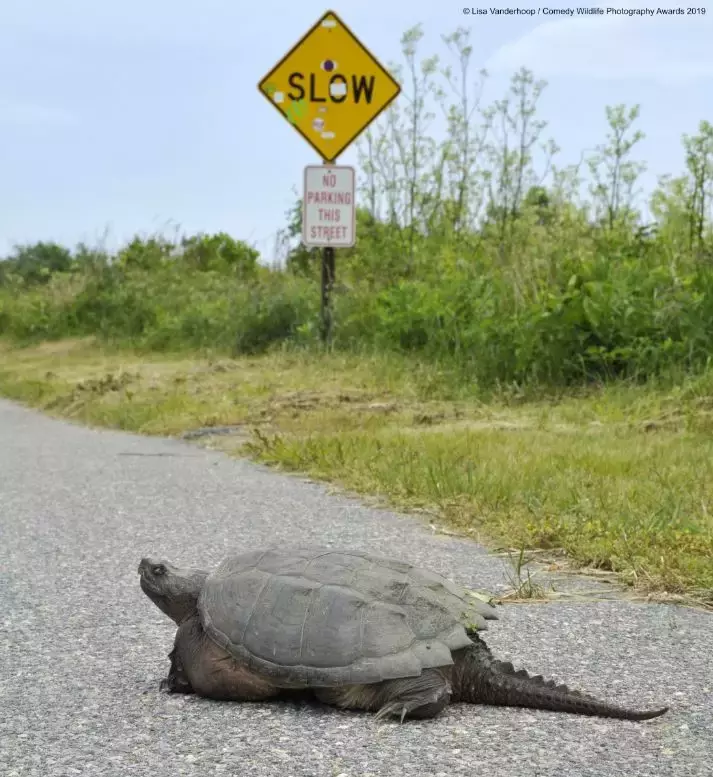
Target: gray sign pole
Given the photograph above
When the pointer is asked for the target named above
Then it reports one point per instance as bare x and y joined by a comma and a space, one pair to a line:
328, 270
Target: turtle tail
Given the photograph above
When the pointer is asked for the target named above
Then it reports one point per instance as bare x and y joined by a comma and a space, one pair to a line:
480, 679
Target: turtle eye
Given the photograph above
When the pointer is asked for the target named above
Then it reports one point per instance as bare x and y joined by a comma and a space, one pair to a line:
158, 569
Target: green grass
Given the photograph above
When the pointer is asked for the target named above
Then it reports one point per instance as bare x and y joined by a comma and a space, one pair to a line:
620, 477
614, 499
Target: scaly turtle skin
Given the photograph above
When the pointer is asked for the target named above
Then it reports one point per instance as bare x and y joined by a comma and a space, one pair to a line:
356, 630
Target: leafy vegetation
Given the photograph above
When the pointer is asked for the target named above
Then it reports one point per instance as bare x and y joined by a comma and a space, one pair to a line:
475, 251
482, 269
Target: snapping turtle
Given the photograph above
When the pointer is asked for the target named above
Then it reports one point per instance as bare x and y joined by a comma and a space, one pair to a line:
356, 630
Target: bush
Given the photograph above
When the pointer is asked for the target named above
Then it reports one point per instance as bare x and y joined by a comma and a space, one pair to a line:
467, 255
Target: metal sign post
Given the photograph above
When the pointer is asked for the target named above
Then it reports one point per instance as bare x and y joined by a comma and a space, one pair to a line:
328, 270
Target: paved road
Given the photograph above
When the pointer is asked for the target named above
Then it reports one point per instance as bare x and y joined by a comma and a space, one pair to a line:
82, 650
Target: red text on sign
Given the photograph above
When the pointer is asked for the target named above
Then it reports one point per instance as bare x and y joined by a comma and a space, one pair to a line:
327, 233
329, 198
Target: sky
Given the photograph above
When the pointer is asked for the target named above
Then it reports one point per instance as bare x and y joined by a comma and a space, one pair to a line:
126, 117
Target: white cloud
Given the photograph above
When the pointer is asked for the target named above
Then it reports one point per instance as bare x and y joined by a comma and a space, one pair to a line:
32, 114
672, 50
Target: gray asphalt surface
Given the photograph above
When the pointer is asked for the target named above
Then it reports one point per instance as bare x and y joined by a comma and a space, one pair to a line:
82, 650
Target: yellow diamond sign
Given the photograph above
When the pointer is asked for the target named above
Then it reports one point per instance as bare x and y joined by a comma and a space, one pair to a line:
329, 87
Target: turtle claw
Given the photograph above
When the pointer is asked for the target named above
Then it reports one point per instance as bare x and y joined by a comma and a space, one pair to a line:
174, 684
170, 684
397, 708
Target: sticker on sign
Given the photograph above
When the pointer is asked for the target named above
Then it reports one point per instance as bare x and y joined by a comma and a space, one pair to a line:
328, 207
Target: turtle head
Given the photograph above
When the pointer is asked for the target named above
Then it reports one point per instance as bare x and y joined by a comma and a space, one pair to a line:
172, 589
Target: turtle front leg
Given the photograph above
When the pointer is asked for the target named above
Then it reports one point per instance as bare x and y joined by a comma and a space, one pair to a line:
177, 681
209, 671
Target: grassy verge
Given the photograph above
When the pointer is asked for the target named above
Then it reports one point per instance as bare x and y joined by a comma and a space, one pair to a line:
620, 478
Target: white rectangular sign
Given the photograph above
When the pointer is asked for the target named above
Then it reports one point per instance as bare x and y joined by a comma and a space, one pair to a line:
328, 207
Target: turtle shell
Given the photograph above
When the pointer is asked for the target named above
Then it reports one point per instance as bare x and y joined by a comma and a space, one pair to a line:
321, 617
